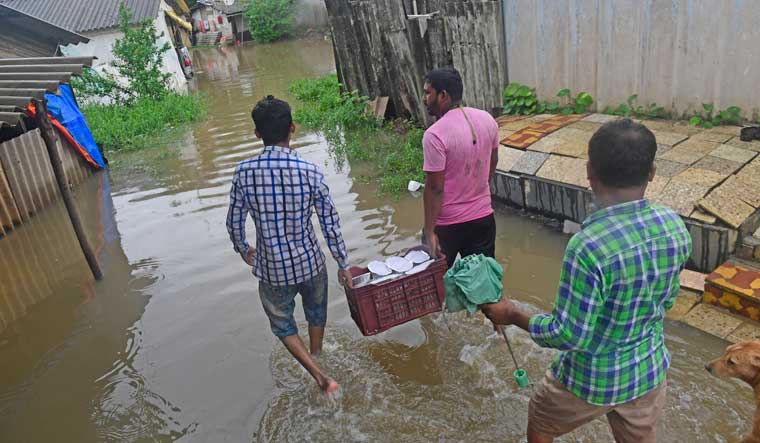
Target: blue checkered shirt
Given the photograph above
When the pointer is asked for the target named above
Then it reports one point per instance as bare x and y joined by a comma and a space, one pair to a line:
281, 191
619, 277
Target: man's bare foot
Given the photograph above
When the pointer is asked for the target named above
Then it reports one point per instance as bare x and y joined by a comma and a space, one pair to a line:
329, 387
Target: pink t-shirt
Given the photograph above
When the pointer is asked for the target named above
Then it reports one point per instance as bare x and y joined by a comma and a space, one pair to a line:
448, 147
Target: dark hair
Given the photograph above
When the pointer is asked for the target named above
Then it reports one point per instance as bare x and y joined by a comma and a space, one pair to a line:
272, 119
446, 79
622, 153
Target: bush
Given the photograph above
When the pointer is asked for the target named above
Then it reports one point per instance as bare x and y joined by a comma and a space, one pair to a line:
353, 132
132, 127
519, 100
630, 108
137, 59
728, 116
327, 108
270, 20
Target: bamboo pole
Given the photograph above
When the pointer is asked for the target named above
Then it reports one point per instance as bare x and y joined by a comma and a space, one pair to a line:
49, 137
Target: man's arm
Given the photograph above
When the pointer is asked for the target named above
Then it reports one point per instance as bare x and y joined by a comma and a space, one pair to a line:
434, 151
570, 327
494, 162
236, 219
494, 149
329, 220
433, 196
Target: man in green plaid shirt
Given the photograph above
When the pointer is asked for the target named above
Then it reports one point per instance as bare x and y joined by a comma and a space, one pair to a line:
620, 275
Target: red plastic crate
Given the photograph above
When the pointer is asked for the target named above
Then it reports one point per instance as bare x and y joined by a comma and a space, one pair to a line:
377, 308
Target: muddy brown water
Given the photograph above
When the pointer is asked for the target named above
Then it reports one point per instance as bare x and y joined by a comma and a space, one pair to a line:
173, 345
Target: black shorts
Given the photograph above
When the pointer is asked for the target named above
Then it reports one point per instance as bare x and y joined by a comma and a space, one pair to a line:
468, 238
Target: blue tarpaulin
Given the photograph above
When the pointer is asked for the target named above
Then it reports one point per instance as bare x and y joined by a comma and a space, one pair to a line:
64, 108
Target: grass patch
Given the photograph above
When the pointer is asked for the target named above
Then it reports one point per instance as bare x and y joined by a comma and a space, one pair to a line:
138, 125
355, 133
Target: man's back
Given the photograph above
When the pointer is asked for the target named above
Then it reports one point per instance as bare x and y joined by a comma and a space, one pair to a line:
281, 190
620, 276
639, 251
464, 155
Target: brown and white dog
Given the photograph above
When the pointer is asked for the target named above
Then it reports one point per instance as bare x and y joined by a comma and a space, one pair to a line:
742, 361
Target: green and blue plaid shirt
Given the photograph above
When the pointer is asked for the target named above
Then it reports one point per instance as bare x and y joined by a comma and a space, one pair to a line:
619, 276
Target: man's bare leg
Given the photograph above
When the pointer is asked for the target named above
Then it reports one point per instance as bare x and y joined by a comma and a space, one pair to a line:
297, 348
316, 336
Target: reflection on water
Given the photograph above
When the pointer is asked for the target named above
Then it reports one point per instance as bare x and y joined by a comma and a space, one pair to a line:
173, 344
69, 360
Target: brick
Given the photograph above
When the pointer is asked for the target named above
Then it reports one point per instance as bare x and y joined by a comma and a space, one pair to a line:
685, 301
747, 331
712, 320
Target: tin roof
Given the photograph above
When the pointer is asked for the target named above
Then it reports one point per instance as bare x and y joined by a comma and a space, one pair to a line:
85, 15
23, 79
43, 28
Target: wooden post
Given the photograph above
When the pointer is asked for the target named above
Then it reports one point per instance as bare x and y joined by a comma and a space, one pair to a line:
50, 139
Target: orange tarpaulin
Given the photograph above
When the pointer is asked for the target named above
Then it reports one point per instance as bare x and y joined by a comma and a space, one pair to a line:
67, 135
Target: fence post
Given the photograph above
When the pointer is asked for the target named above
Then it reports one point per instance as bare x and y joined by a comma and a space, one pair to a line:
49, 137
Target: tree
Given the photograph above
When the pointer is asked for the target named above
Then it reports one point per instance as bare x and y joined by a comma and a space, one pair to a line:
270, 20
138, 61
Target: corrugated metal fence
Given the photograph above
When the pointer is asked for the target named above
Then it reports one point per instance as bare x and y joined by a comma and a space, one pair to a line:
472, 31
677, 53
386, 47
27, 183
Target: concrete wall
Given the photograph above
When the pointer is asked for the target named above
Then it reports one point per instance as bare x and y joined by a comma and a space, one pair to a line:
677, 53
310, 14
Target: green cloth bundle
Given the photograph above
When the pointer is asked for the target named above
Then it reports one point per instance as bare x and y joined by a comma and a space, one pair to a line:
472, 281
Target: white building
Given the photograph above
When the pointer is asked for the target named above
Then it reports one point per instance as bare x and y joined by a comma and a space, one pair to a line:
98, 20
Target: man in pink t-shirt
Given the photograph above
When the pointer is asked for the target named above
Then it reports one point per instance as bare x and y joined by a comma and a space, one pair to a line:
461, 152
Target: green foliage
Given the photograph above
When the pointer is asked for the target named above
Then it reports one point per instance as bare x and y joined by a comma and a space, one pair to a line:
328, 108
631, 108
393, 150
519, 100
137, 59
270, 20
140, 105
728, 116
547, 107
567, 104
132, 127
91, 84
576, 105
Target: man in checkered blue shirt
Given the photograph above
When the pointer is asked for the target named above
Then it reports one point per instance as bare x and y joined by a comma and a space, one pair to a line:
619, 277
280, 190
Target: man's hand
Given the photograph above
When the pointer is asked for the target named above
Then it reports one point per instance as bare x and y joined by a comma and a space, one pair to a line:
434, 244
345, 278
504, 312
248, 256
500, 313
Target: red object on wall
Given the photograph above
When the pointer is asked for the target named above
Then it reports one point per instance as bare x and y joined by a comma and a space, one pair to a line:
219, 19
203, 28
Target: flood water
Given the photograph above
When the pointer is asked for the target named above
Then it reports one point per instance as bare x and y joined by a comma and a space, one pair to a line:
172, 345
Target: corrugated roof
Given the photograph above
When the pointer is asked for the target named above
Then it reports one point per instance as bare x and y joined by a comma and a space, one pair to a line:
22, 79
42, 28
85, 15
